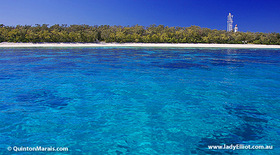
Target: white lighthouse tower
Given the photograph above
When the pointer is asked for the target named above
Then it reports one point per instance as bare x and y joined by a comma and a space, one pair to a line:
229, 22
235, 28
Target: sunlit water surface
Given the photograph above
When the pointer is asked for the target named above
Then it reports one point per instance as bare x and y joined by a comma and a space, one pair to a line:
140, 100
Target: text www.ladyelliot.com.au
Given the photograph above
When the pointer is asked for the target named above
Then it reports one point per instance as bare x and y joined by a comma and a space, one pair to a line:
240, 147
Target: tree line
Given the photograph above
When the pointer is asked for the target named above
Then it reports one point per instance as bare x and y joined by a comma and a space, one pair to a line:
134, 34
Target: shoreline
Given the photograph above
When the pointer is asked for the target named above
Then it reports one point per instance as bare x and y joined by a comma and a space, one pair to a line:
165, 45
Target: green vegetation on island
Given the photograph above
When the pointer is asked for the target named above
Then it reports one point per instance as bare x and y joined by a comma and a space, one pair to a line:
131, 34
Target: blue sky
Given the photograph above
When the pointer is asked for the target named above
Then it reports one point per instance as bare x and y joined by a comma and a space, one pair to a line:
250, 15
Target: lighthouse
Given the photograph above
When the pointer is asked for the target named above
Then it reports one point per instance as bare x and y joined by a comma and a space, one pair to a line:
235, 28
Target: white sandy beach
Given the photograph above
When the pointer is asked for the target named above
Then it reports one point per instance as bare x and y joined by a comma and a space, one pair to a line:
181, 45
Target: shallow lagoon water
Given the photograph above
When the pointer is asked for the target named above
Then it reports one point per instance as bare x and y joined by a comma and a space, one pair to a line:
140, 100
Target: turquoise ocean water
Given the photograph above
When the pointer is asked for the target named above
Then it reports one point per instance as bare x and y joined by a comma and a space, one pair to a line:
139, 100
